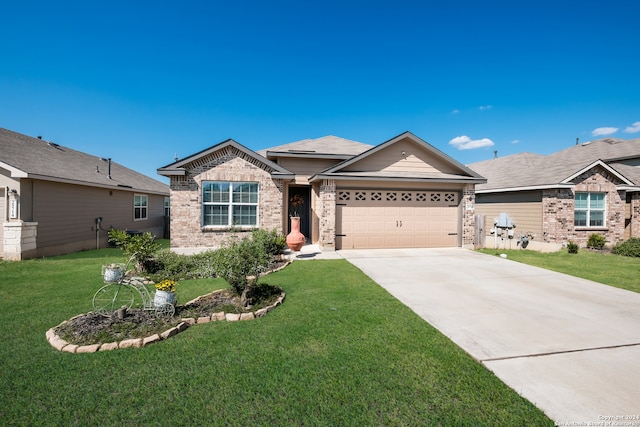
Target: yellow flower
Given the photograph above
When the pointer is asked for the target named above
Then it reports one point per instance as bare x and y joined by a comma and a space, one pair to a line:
167, 285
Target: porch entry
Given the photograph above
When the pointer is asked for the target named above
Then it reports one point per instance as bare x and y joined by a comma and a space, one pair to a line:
303, 211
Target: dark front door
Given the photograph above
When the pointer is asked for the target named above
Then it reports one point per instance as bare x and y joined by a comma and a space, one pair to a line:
303, 211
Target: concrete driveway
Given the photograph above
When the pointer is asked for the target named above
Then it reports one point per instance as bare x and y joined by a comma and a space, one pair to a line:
568, 345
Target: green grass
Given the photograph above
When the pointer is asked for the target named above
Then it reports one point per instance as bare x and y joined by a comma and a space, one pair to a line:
339, 351
614, 270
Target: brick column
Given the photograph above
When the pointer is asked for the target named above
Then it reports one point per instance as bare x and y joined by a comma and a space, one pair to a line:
327, 214
20, 240
468, 214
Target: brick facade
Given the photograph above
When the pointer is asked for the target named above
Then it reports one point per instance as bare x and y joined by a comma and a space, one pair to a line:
327, 214
228, 165
468, 215
558, 210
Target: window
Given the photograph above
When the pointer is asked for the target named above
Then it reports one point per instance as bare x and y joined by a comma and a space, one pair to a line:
167, 206
140, 206
589, 210
226, 204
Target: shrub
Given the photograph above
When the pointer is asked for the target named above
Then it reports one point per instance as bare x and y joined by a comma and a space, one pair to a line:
572, 247
272, 241
140, 247
596, 241
629, 248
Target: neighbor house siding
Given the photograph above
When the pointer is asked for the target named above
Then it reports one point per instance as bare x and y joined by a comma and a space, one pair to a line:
186, 200
3, 216
524, 208
66, 215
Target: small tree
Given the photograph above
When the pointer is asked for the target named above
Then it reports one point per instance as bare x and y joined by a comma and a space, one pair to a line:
139, 247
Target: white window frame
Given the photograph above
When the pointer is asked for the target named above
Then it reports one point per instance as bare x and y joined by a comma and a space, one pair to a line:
590, 209
231, 204
142, 206
167, 206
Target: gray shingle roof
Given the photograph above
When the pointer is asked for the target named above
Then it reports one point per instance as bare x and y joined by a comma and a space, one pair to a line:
332, 145
27, 157
535, 170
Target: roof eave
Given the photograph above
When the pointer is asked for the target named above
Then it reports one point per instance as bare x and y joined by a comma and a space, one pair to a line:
461, 180
171, 172
523, 188
15, 172
308, 155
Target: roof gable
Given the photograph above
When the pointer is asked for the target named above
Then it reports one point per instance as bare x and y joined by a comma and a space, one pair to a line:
404, 157
598, 164
27, 157
220, 153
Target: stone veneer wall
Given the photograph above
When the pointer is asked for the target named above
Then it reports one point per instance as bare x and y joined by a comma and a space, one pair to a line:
20, 240
558, 210
468, 214
327, 215
635, 215
186, 198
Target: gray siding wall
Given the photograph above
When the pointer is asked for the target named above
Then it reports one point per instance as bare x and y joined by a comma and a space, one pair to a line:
3, 216
66, 215
524, 208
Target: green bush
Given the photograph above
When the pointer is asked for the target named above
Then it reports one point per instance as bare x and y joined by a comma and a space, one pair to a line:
572, 247
239, 261
139, 248
629, 248
272, 241
596, 241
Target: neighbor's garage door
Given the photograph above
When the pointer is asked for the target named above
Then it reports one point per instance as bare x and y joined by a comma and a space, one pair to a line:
396, 219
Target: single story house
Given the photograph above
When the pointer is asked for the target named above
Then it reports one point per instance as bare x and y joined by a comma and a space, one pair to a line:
401, 193
592, 187
56, 200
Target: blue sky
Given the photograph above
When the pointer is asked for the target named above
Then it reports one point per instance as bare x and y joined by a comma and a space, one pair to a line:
142, 82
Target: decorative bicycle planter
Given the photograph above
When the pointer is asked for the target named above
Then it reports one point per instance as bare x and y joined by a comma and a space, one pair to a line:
121, 291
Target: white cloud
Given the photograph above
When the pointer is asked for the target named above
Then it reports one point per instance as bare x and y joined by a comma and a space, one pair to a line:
484, 107
515, 141
465, 143
604, 131
633, 128
456, 111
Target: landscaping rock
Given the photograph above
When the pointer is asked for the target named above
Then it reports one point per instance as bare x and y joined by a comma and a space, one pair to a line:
109, 346
134, 342
150, 340
204, 319
262, 312
169, 333
57, 342
88, 348
189, 320
182, 326
232, 317
218, 316
70, 348
247, 316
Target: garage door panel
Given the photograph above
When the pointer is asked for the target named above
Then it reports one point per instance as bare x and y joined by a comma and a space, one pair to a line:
396, 219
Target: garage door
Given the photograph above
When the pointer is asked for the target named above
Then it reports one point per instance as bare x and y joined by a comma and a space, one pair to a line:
396, 219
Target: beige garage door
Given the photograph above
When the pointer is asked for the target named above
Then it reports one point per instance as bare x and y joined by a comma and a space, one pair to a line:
367, 219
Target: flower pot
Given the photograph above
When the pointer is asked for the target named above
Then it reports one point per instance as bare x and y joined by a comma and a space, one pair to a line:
164, 297
112, 274
295, 239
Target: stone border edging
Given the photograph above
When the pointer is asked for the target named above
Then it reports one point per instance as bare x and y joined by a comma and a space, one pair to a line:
62, 345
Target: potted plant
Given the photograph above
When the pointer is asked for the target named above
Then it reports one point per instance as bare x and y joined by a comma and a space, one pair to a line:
165, 292
295, 239
113, 273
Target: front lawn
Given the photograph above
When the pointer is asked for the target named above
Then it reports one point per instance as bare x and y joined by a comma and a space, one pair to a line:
339, 351
614, 270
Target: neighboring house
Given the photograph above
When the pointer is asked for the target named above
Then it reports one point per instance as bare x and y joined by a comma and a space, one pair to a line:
593, 187
52, 196
402, 193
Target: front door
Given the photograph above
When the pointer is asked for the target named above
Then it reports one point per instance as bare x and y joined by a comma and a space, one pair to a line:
303, 210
